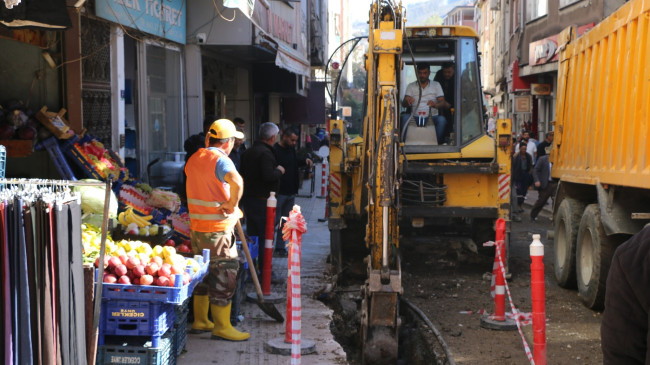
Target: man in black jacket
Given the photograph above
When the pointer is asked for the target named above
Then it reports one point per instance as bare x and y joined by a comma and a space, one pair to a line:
624, 328
285, 155
543, 183
261, 175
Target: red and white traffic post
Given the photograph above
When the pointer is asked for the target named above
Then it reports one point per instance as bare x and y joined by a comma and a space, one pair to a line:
498, 320
271, 205
538, 295
292, 343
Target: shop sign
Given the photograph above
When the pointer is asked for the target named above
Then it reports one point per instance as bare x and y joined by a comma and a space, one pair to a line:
545, 50
522, 104
542, 51
276, 20
540, 89
162, 18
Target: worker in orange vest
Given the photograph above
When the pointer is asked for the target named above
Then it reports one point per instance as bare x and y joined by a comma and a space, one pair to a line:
214, 188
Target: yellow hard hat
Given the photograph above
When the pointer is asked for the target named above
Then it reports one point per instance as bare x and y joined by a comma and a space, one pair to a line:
224, 128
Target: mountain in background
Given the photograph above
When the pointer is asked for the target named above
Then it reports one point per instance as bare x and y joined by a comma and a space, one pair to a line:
425, 12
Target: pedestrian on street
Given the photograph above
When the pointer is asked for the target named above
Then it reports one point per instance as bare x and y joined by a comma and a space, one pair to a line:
261, 175
547, 142
625, 329
543, 183
522, 165
285, 155
531, 146
241, 126
214, 188
237, 150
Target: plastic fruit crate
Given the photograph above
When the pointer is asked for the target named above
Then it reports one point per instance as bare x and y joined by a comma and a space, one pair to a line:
135, 318
165, 294
180, 328
136, 350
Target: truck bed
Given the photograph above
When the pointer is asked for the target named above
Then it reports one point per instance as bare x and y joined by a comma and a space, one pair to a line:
603, 113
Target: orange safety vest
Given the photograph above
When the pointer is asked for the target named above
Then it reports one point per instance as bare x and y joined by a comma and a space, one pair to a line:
205, 193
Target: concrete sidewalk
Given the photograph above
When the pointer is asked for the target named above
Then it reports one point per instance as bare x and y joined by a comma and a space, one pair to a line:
316, 317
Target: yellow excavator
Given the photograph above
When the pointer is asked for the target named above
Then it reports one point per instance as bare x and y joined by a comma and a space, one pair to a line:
401, 174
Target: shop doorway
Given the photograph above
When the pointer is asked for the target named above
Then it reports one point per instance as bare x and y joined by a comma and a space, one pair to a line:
160, 126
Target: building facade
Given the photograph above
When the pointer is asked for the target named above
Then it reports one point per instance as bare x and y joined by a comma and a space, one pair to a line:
142, 75
522, 37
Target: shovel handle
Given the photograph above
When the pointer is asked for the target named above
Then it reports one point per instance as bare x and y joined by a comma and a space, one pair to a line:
251, 266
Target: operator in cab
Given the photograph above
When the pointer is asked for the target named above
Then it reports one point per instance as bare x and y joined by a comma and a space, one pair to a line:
431, 97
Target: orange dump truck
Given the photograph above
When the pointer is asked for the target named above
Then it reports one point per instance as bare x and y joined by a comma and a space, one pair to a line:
601, 154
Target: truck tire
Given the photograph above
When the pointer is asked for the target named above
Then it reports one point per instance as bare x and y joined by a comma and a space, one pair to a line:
594, 250
566, 223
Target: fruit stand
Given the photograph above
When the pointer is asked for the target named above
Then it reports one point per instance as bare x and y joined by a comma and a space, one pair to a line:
140, 234
147, 272
145, 289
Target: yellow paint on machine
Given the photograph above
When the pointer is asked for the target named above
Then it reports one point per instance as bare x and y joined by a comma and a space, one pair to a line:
471, 190
483, 147
603, 113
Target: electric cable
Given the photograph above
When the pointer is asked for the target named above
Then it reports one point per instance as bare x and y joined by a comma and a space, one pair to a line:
436, 332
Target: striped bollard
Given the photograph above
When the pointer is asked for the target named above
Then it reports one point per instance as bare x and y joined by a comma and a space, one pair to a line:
498, 321
323, 183
500, 280
271, 204
292, 343
538, 294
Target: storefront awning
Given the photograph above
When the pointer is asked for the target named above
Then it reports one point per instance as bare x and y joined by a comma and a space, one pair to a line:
289, 62
43, 14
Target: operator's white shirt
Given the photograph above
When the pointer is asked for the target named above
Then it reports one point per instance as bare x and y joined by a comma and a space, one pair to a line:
431, 92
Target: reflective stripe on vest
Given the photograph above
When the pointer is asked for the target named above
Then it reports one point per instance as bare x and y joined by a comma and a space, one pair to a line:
204, 203
208, 217
205, 193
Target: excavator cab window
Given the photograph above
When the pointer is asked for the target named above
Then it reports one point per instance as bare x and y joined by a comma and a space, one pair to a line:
454, 66
471, 98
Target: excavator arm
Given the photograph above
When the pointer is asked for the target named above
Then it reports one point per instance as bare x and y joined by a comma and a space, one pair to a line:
380, 305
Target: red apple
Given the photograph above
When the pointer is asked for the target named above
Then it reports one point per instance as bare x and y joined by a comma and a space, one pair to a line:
132, 262
114, 262
120, 270
138, 271
106, 259
146, 280
152, 268
165, 270
110, 279
124, 258
124, 280
170, 242
178, 269
158, 260
136, 281
162, 281
183, 248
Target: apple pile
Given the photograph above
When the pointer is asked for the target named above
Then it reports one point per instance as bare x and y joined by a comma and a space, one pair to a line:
183, 247
159, 268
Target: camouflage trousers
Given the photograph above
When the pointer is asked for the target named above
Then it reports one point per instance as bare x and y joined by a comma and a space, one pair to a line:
221, 281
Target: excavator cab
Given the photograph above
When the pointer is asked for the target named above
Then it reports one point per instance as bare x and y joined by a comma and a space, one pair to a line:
452, 59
